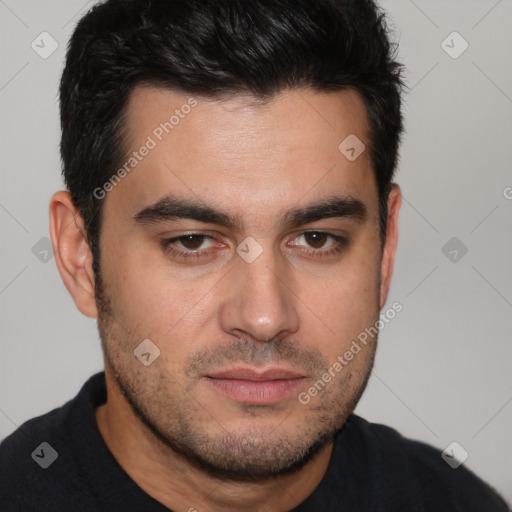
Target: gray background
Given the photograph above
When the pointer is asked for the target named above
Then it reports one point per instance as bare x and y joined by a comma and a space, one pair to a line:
444, 364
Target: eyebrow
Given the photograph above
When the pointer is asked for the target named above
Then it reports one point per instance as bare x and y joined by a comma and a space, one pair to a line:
170, 208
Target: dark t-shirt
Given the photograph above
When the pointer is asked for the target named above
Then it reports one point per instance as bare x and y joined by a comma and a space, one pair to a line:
372, 468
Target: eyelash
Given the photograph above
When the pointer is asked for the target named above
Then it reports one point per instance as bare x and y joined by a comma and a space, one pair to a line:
169, 248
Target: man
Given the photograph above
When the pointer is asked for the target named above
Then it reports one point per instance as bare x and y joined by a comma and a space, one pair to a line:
231, 221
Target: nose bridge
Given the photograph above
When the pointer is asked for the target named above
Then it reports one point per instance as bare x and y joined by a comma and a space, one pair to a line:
259, 301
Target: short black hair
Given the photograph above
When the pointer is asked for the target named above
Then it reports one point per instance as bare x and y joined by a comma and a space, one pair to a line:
218, 48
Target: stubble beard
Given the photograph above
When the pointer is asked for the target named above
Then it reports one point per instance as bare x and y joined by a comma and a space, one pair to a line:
188, 430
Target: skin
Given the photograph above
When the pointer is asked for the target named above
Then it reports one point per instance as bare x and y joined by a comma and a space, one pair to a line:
286, 309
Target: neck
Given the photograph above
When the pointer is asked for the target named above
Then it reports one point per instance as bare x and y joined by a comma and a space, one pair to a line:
179, 485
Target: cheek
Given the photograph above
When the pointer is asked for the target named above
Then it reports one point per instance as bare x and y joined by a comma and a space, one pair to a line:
156, 300
346, 304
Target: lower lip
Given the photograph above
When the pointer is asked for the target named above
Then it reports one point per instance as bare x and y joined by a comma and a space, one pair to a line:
256, 392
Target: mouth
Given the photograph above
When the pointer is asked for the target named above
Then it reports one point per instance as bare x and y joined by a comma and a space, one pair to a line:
253, 386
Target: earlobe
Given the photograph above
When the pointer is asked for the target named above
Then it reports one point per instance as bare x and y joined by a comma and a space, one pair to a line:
389, 251
72, 253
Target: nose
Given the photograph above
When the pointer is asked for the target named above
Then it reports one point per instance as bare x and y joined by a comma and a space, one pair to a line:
258, 300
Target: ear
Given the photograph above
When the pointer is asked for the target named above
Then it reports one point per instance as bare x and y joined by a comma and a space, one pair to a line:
72, 253
388, 253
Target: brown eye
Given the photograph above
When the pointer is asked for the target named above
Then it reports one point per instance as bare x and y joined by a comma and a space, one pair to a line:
316, 239
192, 242
192, 245
320, 243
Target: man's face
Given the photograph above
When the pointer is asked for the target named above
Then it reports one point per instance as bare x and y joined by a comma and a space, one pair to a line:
222, 317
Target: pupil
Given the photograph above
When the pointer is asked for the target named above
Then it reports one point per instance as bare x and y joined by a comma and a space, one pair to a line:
192, 241
315, 239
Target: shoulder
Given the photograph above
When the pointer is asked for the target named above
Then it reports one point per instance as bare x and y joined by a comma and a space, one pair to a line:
419, 471
38, 459
32, 459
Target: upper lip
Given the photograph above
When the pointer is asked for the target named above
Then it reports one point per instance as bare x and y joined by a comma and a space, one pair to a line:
255, 374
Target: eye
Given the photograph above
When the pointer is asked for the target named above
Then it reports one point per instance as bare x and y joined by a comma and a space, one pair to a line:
190, 245
193, 241
315, 239
201, 245
317, 243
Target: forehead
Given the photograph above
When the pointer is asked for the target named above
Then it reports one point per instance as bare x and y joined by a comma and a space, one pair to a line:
241, 154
